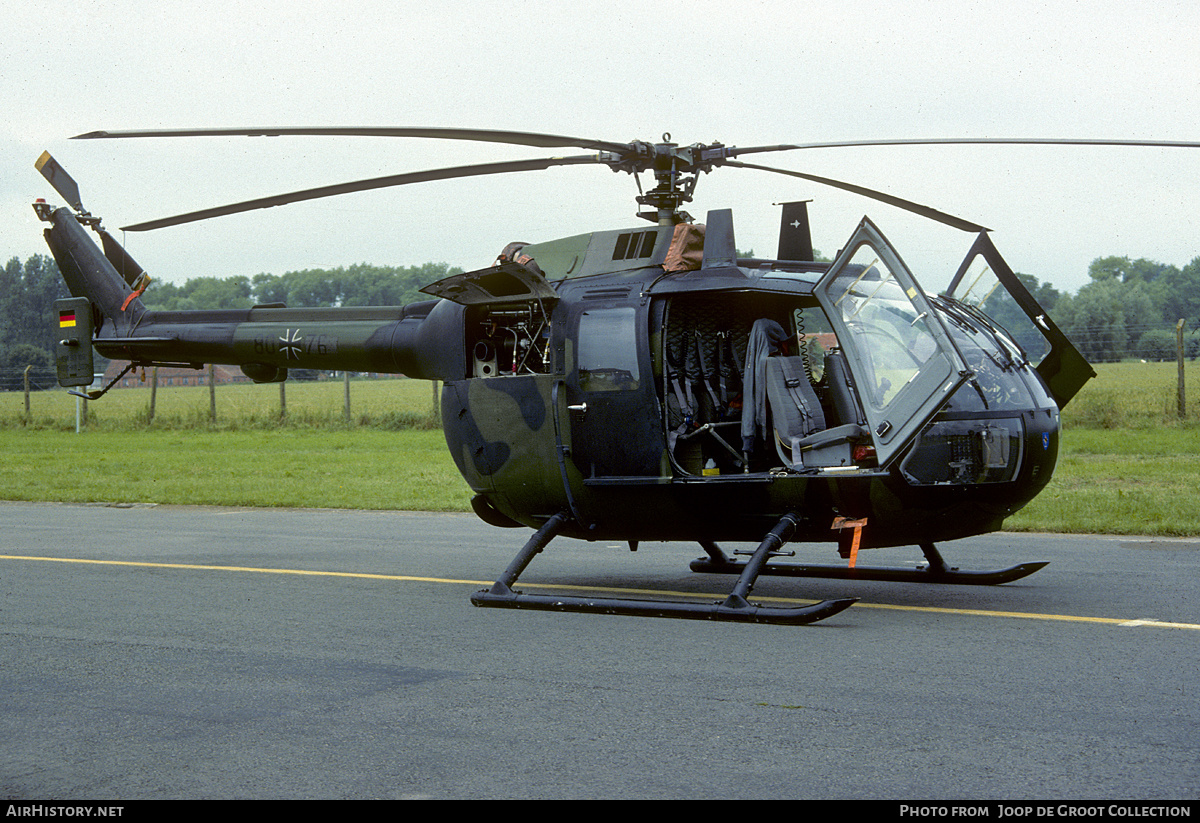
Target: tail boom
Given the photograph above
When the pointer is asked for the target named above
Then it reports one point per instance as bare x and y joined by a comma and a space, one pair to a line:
422, 340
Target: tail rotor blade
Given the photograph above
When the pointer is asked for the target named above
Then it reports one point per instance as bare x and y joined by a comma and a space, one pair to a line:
125, 265
62, 182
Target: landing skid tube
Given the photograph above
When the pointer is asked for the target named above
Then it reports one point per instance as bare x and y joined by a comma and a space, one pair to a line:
735, 608
937, 571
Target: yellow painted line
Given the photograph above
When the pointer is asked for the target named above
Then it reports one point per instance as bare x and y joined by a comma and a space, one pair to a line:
1113, 621
200, 567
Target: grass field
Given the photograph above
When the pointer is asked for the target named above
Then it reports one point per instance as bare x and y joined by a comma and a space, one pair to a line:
1127, 466
1134, 395
306, 468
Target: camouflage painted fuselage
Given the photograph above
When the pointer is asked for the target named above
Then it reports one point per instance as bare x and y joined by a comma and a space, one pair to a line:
602, 434
594, 377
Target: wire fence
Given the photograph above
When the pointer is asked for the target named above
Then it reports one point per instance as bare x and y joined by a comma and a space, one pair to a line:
386, 403
40, 379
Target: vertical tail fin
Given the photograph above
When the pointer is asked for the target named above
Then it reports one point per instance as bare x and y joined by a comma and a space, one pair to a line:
90, 274
795, 238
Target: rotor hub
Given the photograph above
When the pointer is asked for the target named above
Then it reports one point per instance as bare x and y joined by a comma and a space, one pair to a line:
676, 171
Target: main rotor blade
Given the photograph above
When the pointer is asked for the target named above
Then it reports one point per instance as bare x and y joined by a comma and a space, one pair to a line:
518, 138
899, 202
952, 141
365, 185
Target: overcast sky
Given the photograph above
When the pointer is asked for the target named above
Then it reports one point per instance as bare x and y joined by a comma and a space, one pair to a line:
745, 73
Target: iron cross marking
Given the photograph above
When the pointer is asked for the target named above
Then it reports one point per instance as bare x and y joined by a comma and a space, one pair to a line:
291, 344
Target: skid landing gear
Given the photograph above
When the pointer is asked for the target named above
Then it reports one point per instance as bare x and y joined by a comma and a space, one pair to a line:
735, 608
936, 571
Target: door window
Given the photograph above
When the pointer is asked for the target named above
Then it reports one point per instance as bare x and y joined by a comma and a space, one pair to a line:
608, 356
903, 360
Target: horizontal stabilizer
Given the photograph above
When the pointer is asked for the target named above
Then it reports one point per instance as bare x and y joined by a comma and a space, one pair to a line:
138, 349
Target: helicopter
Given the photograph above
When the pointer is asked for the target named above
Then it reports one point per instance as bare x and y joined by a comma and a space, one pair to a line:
648, 384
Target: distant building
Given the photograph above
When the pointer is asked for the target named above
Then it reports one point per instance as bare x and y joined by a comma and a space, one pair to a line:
172, 375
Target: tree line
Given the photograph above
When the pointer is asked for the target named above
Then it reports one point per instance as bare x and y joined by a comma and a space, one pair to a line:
357, 285
1128, 309
28, 327
28, 331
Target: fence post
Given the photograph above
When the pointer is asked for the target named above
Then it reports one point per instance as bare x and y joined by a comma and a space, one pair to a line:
282, 401
212, 393
27, 368
1182, 395
153, 393
346, 378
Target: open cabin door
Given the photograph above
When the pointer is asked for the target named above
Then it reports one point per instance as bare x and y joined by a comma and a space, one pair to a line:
985, 282
904, 363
